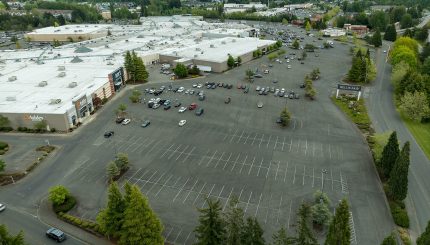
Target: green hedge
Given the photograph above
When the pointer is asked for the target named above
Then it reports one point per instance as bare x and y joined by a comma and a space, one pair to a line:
68, 204
3, 145
400, 215
87, 225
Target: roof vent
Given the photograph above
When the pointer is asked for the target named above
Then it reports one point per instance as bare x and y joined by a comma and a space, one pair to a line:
195, 56
223, 42
212, 46
43, 83
54, 101
73, 84
198, 49
12, 78
62, 74
61, 68
233, 41
11, 98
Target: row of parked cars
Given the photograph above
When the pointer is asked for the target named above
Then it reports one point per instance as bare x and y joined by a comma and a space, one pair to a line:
277, 92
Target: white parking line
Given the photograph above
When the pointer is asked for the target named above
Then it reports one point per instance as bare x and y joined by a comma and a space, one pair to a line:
177, 236
246, 139
279, 211
258, 205
181, 152
298, 146
313, 149
139, 178
267, 146
192, 188
189, 154
304, 174
246, 208
156, 183
313, 177
173, 152
165, 152
154, 145
228, 160
219, 195
233, 135
237, 158
277, 170
148, 180
276, 143
243, 164
131, 177
219, 159
211, 158
240, 194
228, 198
261, 141
158, 192
180, 190
289, 214
268, 170
291, 144
200, 192
306, 147
286, 171
268, 207
255, 137
208, 195
188, 236
250, 168
140, 145
294, 178
283, 144
168, 234
204, 156
227, 134
240, 138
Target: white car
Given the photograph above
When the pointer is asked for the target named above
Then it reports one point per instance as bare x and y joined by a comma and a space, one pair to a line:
194, 85
260, 104
199, 85
289, 66
182, 109
126, 121
288, 61
385, 51
266, 71
155, 106
181, 89
2, 207
182, 122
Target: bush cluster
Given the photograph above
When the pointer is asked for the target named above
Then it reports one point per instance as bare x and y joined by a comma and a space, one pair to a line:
33, 130
3, 147
6, 129
68, 204
82, 223
46, 148
400, 214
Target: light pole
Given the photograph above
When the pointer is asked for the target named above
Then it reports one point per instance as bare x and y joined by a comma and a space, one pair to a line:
323, 171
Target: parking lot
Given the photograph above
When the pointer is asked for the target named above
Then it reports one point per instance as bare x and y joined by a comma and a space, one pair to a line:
238, 149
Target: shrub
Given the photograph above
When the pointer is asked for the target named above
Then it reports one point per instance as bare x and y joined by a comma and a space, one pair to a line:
53, 130
400, 215
46, 148
58, 194
6, 129
3, 145
68, 204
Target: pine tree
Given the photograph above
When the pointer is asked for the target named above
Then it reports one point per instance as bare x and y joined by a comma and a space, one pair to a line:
398, 182
376, 39
6, 238
252, 233
339, 231
390, 33
111, 218
112, 170
128, 64
424, 239
390, 153
141, 225
141, 73
230, 61
355, 74
304, 233
211, 229
281, 238
234, 222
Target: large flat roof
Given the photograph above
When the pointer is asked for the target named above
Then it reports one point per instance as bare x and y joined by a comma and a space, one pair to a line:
71, 29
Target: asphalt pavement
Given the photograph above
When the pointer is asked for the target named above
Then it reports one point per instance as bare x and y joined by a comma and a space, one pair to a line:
385, 117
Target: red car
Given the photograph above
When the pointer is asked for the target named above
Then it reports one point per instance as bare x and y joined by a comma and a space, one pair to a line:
239, 86
193, 106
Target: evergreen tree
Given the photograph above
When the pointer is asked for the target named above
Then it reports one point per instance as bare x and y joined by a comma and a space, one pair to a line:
296, 44
181, 71
398, 182
140, 225
304, 233
389, 155
211, 229
376, 39
141, 73
355, 73
281, 238
128, 64
424, 239
390, 33
339, 231
252, 233
234, 222
111, 218
134, 62
112, 170
7, 239
230, 61
389, 240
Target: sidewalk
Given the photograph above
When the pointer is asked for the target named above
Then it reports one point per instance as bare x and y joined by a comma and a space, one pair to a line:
46, 215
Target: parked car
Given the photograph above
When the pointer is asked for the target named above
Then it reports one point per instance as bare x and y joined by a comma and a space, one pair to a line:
227, 100
260, 104
296, 96
167, 107
182, 109
302, 85
155, 106
56, 234
246, 90
193, 106
239, 86
266, 71
257, 88
145, 124
107, 134
2, 207
230, 86
177, 104
199, 111
126, 121
258, 76
119, 120
167, 102
182, 122
202, 97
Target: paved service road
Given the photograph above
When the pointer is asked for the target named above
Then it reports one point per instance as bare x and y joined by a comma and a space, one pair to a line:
385, 117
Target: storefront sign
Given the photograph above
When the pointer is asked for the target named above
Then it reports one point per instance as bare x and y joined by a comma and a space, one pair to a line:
33, 118
349, 87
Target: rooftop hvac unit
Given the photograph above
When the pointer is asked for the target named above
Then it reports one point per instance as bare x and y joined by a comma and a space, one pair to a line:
223, 42
73, 84
62, 74
12, 78
195, 56
233, 41
110, 63
212, 46
43, 83
11, 98
54, 101
198, 49
61, 68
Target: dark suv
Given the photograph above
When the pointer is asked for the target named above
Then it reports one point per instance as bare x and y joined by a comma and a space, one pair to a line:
56, 235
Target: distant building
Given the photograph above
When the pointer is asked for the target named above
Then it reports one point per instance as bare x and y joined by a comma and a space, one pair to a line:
68, 32
333, 32
356, 29
298, 6
233, 7
106, 15
67, 14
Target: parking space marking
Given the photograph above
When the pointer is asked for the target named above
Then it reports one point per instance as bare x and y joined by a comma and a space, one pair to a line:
219, 195
188, 236
252, 164
227, 134
208, 195
289, 214
240, 137
283, 144
173, 152
200, 192
294, 178
137, 179
168, 234
268, 170
180, 190
219, 159
165, 152
277, 170
291, 144
313, 149
247, 203
286, 171
313, 177
268, 142
306, 146
240, 194
131, 177
304, 174
247, 138
243, 164
268, 207
279, 211
255, 137
276, 143
204, 156
258, 205
147, 193
177, 236
192, 188
146, 181
234, 165
233, 135
158, 192
141, 144
298, 146
181, 152
211, 158
261, 141
228, 160
343, 183
189, 154
228, 198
